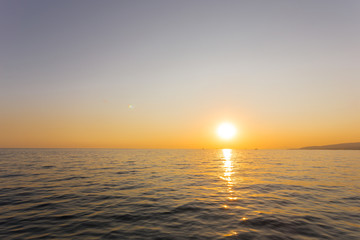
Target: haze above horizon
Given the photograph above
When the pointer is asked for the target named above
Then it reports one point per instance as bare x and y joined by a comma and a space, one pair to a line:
160, 74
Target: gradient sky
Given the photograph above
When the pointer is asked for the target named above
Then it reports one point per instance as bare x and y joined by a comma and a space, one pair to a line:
285, 72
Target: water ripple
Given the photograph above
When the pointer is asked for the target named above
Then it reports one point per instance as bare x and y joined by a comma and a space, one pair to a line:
178, 194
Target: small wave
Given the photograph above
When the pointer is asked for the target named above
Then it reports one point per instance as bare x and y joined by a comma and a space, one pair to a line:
47, 167
11, 175
353, 198
44, 206
126, 172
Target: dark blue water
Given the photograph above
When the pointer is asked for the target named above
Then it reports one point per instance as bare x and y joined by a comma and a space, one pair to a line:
179, 194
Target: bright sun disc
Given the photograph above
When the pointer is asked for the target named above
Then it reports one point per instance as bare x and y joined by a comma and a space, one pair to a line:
226, 131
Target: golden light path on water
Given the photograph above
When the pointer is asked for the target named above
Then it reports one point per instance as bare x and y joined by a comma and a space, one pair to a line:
227, 176
228, 166
228, 172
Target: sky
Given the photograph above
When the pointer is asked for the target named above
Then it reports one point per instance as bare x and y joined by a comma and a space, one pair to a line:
165, 74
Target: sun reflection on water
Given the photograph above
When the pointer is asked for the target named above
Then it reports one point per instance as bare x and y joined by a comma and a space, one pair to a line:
228, 172
228, 176
228, 166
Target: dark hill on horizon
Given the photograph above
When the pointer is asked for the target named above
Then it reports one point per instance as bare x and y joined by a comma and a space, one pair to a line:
341, 146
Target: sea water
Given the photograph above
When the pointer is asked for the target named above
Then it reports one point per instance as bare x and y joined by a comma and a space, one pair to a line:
179, 194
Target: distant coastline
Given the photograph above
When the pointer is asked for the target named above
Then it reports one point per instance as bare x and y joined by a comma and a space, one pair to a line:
341, 146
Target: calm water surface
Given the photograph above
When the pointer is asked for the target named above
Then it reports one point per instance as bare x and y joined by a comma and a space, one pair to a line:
179, 194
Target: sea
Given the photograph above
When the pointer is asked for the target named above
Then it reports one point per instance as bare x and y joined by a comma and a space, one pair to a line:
179, 194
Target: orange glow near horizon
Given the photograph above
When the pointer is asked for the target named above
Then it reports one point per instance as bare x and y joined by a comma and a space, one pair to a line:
65, 130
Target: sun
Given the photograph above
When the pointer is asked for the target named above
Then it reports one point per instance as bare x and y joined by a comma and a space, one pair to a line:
226, 130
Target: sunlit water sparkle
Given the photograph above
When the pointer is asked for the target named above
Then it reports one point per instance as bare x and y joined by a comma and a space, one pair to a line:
179, 194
